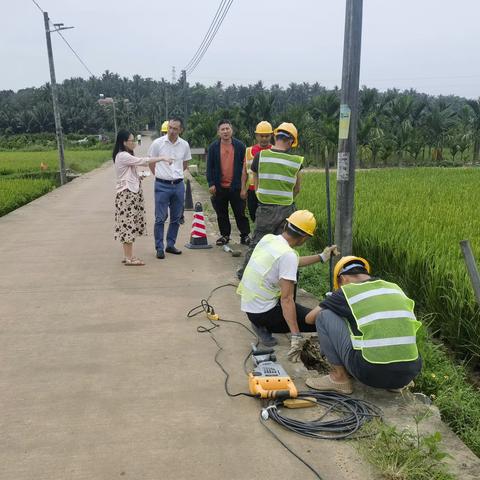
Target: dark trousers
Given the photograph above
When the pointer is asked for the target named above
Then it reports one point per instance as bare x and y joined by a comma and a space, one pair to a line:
274, 321
252, 204
220, 201
168, 197
269, 219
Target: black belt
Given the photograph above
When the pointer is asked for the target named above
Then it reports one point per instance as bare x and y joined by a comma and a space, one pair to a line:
170, 182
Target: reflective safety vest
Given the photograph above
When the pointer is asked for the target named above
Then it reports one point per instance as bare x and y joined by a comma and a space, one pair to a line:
384, 315
248, 162
277, 175
252, 286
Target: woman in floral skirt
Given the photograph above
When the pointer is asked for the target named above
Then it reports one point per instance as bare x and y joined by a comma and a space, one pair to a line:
129, 204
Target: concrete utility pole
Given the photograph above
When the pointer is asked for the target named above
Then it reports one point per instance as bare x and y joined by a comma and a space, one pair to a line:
184, 84
347, 134
53, 86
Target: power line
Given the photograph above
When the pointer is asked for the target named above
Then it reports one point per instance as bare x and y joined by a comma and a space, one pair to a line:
76, 54
194, 66
37, 5
53, 28
220, 19
206, 35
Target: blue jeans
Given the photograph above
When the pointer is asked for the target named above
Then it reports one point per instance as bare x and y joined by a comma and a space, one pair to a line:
173, 197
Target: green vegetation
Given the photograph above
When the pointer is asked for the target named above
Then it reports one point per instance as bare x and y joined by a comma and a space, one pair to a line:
404, 455
447, 385
407, 246
409, 223
17, 192
80, 161
395, 128
47, 141
25, 176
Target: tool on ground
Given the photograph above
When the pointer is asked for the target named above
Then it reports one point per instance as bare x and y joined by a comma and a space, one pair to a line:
198, 235
268, 378
235, 253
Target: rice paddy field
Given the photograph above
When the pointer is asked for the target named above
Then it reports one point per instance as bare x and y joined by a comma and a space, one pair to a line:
25, 176
408, 223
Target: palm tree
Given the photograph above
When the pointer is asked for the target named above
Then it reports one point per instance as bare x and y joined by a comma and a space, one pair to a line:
475, 125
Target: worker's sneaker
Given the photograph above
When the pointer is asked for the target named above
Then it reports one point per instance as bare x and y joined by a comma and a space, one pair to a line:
326, 384
245, 240
264, 336
222, 241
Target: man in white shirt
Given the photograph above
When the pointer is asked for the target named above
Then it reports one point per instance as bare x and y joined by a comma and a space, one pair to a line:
268, 283
169, 186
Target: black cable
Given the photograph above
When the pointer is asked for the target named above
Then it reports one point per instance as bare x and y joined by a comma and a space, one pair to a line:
262, 421
208, 309
351, 414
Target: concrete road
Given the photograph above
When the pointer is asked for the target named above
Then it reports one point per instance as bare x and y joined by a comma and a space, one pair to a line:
102, 375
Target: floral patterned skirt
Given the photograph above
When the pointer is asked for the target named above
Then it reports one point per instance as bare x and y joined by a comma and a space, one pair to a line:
129, 216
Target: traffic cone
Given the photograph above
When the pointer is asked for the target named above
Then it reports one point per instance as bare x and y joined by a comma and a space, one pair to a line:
198, 236
188, 197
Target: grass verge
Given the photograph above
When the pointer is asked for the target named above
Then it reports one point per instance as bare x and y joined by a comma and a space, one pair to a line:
444, 380
403, 455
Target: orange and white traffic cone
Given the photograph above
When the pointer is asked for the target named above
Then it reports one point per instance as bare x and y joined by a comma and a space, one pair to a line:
198, 236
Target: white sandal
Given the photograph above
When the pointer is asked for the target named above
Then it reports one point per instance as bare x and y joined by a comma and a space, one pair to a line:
133, 262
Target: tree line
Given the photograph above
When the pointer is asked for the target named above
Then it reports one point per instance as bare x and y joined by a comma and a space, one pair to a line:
395, 127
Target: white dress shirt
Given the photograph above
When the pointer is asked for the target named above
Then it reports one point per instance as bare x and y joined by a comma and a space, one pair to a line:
179, 152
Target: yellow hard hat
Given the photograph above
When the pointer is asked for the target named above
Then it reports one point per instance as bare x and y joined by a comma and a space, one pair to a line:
164, 128
303, 221
348, 262
289, 128
264, 128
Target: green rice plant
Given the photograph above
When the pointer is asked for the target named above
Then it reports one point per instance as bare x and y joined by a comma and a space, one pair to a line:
408, 223
17, 192
29, 162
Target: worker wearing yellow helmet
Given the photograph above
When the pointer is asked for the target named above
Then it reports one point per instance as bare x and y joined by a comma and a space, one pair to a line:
268, 283
164, 128
263, 135
367, 330
277, 182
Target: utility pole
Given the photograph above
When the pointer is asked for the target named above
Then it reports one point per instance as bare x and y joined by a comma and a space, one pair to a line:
347, 134
53, 86
184, 83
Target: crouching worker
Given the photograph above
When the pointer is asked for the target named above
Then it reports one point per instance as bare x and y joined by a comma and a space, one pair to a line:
366, 329
268, 284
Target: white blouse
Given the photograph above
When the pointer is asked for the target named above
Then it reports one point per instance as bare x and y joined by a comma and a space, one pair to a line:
126, 171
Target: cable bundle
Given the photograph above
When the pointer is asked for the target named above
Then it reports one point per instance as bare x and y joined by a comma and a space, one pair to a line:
350, 413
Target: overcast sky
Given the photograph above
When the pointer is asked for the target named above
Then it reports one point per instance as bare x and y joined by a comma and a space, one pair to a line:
430, 45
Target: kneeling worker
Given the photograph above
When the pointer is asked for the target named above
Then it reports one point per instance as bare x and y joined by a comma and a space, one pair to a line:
367, 329
268, 283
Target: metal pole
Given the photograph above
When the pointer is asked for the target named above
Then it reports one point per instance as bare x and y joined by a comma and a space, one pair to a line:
471, 267
347, 134
114, 118
56, 111
329, 214
184, 78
